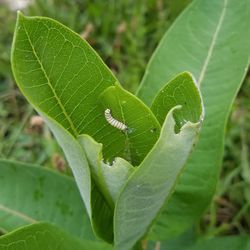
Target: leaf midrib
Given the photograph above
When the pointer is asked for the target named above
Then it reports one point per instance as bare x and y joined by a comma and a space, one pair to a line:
17, 214
50, 85
212, 45
127, 141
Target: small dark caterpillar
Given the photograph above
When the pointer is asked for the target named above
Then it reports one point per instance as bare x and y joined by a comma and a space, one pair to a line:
113, 122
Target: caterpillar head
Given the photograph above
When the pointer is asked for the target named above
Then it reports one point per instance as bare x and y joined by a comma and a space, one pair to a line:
107, 111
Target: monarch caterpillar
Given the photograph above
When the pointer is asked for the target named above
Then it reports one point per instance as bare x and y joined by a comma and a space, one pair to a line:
113, 122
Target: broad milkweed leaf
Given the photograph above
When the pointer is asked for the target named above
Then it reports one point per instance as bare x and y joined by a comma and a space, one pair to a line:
46, 236
30, 194
211, 40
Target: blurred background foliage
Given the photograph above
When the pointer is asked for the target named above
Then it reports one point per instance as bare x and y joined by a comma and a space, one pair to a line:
124, 33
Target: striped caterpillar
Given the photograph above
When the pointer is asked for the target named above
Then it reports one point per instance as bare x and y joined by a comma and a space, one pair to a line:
113, 122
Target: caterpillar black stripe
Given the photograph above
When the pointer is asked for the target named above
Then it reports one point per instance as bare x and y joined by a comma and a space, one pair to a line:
113, 122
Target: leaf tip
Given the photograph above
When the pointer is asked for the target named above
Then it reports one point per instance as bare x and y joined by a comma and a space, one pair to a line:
20, 15
202, 114
190, 75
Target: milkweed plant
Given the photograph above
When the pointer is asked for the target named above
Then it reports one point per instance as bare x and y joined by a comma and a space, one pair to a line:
145, 164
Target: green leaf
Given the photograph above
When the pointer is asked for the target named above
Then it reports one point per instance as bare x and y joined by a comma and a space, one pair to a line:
109, 178
61, 75
30, 194
46, 236
152, 182
183, 91
211, 40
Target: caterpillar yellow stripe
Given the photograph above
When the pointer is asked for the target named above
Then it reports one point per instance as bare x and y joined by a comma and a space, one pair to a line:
113, 122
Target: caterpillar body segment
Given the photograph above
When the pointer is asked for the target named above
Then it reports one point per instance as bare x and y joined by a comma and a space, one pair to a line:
113, 122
